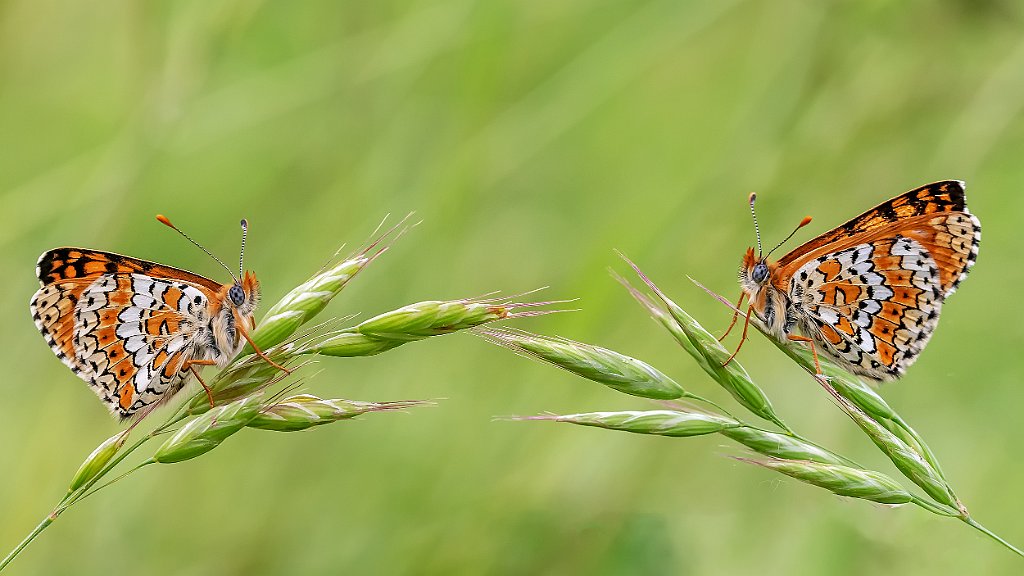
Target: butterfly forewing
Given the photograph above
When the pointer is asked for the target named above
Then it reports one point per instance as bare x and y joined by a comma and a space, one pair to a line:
62, 264
127, 327
935, 215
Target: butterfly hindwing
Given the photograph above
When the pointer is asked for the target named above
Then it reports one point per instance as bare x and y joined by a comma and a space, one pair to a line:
53, 310
952, 240
134, 334
872, 306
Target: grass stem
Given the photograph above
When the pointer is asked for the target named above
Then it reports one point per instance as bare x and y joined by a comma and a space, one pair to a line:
971, 522
28, 539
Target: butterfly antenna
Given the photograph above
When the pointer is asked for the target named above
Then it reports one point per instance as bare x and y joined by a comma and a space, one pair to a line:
757, 231
163, 220
241, 254
804, 222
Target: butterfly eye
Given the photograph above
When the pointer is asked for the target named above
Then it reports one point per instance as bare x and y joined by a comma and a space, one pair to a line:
760, 273
236, 295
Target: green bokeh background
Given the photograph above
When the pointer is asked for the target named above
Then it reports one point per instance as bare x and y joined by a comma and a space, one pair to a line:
532, 138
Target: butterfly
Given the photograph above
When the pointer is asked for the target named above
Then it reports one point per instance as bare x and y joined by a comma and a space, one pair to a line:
868, 293
135, 330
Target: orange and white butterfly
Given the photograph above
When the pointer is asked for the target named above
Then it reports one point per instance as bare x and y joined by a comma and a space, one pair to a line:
134, 330
869, 292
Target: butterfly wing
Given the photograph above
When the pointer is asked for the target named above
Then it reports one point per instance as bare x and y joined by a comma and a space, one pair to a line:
870, 291
935, 215
127, 327
62, 264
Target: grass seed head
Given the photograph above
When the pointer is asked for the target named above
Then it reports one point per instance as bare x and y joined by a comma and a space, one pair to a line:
237, 382
99, 458
842, 480
305, 301
308, 299
431, 318
705, 349
617, 371
305, 411
669, 323
658, 422
783, 446
206, 431
911, 463
411, 323
349, 344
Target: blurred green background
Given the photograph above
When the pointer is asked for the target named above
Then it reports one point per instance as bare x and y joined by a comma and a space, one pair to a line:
532, 138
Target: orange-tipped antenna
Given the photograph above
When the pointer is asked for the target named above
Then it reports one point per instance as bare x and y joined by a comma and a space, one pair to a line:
804, 222
241, 253
163, 220
757, 231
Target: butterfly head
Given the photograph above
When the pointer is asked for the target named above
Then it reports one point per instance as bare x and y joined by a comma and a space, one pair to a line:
244, 295
756, 272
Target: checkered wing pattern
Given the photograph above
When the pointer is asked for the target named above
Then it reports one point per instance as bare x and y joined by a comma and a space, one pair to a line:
127, 332
870, 291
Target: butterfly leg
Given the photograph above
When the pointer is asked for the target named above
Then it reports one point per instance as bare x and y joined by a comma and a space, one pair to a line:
814, 352
735, 315
743, 338
192, 366
245, 334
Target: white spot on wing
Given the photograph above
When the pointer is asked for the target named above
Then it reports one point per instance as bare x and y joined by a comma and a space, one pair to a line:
829, 315
130, 314
873, 279
134, 343
880, 292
